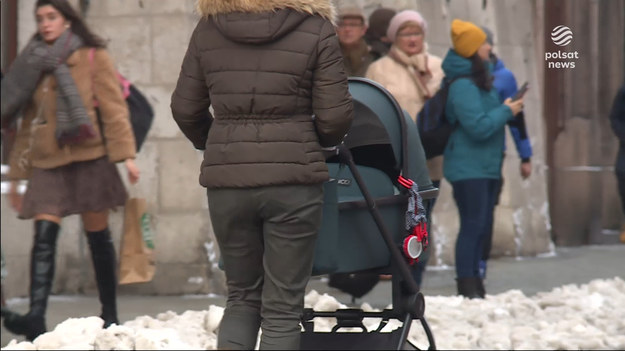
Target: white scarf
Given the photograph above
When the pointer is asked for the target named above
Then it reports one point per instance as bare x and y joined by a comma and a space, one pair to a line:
417, 65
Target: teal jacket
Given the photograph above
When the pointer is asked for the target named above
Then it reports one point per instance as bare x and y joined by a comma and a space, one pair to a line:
474, 149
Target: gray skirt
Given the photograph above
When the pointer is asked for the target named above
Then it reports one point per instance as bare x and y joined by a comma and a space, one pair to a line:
79, 187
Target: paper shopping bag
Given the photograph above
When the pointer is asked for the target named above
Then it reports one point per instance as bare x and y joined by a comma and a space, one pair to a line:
136, 263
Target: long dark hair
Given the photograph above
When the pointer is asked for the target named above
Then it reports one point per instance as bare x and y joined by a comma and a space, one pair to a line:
78, 26
480, 74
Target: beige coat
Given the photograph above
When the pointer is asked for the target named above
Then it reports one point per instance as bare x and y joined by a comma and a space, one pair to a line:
36, 144
397, 80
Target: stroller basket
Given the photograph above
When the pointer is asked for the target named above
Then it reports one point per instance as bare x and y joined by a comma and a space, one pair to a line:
359, 340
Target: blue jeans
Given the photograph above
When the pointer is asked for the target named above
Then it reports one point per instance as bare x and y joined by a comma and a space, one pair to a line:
488, 241
475, 199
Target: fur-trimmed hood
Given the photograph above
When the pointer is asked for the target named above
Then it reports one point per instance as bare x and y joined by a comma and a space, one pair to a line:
323, 8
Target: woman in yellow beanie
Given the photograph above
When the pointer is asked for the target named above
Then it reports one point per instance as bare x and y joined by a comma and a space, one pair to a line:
472, 158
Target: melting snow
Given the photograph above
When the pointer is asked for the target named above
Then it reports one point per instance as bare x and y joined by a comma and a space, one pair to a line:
590, 316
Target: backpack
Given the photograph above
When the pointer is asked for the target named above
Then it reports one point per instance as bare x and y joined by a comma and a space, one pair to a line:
141, 112
434, 128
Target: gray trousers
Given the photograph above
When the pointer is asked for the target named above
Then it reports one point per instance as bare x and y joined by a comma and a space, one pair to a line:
267, 238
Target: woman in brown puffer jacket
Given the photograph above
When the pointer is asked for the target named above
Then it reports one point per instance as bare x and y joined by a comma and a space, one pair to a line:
273, 73
61, 151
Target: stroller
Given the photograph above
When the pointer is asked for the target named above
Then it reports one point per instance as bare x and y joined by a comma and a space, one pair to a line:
364, 218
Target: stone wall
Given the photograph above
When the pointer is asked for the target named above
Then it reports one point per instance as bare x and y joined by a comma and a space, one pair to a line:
148, 40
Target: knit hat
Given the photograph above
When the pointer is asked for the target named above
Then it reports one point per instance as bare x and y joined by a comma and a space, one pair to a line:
403, 17
466, 37
378, 22
489, 35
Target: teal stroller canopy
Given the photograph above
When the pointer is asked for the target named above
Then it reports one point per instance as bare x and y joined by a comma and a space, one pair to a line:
383, 135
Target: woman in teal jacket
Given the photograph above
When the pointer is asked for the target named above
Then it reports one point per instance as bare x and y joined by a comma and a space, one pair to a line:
472, 162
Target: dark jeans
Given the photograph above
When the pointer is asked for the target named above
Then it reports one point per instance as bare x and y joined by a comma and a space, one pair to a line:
488, 240
475, 199
267, 238
419, 268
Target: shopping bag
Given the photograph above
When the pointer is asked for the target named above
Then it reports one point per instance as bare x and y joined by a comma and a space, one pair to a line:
136, 263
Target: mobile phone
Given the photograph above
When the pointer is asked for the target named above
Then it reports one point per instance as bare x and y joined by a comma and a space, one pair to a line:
519, 94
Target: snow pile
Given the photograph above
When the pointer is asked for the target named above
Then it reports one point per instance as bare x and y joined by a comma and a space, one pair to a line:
192, 330
591, 316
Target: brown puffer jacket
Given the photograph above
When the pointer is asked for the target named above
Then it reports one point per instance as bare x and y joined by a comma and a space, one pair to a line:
273, 73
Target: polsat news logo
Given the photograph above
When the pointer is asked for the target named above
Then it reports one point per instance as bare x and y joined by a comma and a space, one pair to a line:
561, 36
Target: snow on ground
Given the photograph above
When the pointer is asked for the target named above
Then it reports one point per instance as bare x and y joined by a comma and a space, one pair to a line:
590, 316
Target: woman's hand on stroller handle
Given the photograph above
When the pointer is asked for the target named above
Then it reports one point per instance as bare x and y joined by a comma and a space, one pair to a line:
332, 150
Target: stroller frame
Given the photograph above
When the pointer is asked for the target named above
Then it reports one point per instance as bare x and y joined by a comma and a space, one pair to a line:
407, 301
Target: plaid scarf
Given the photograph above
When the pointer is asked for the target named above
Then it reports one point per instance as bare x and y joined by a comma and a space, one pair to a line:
18, 86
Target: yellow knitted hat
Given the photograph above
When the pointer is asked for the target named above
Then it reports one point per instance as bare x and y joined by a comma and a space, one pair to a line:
466, 37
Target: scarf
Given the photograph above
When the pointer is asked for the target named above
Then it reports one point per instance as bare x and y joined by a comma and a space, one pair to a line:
18, 86
417, 65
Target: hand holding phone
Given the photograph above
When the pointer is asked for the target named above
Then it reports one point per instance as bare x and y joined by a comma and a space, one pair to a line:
519, 94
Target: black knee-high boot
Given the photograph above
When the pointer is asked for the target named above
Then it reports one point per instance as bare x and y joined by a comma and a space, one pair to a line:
43, 255
105, 264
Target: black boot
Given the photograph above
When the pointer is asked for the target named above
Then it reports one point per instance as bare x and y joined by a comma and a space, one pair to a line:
105, 264
480, 288
33, 324
5, 311
470, 287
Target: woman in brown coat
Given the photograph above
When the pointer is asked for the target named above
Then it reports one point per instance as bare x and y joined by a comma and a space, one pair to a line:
68, 160
273, 73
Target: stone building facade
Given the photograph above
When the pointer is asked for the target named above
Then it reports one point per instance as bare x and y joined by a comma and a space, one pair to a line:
148, 39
